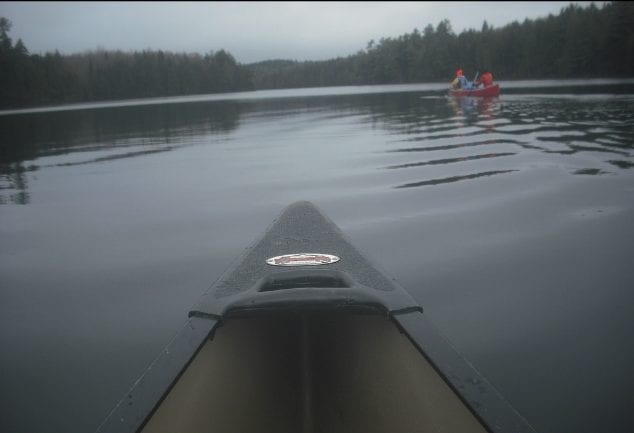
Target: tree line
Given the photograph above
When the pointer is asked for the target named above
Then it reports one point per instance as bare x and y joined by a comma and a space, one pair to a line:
34, 79
579, 42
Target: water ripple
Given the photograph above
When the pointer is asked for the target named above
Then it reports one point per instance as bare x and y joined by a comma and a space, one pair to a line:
453, 179
565, 127
348, 137
115, 157
450, 160
455, 146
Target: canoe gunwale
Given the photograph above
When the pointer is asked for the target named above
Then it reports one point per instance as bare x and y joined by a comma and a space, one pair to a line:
146, 394
477, 393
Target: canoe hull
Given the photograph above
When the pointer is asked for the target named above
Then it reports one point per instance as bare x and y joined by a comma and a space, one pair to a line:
321, 372
489, 91
264, 350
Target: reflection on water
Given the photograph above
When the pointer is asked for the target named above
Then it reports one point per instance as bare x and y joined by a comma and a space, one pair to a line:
509, 218
475, 109
512, 126
13, 179
123, 132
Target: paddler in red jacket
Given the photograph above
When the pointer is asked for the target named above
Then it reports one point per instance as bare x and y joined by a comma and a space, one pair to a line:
486, 79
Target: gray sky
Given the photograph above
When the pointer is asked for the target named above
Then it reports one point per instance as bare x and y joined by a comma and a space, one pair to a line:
251, 31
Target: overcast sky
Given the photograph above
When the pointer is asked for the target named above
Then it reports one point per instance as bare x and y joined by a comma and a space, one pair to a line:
251, 31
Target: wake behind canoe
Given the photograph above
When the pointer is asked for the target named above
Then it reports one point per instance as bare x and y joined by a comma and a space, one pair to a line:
303, 334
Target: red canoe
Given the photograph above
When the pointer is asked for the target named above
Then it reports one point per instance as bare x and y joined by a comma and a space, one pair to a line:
493, 90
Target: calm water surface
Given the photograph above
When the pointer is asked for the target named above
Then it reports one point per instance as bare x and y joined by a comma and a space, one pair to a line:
509, 219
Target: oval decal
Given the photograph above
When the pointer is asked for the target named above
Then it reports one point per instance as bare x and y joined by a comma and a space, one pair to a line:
302, 259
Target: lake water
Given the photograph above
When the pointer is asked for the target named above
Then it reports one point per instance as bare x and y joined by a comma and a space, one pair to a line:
511, 220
